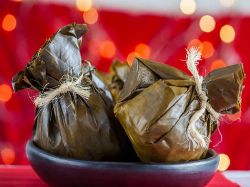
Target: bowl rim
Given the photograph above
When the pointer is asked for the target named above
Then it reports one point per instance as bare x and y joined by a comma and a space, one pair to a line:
31, 148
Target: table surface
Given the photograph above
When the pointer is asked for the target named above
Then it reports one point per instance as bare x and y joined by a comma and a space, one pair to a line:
24, 176
240, 177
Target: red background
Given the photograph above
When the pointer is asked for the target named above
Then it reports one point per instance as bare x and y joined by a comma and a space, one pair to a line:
167, 37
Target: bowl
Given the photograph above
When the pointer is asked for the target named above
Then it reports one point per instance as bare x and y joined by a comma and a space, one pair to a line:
58, 171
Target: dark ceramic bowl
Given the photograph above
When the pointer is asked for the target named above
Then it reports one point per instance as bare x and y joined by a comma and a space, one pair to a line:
58, 171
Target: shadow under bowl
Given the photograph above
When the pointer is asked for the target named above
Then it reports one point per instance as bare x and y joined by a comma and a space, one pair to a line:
58, 171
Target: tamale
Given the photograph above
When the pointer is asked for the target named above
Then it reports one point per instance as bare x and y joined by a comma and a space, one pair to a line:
116, 77
72, 125
157, 102
119, 73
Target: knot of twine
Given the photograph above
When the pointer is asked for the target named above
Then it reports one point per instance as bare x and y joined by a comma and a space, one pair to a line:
194, 137
70, 84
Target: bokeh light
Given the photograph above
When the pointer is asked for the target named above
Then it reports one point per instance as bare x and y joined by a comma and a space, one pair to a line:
5, 92
93, 46
227, 33
8, 155
195, 43
107, 49
188, 7
143, 50
9, 22
224, 162
207, 23
219, 63
131, 56
90, 16
227, 3
207, 49
84, 5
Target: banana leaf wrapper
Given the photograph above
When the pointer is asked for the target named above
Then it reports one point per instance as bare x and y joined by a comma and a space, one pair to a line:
157, 102
70, 125
116, 77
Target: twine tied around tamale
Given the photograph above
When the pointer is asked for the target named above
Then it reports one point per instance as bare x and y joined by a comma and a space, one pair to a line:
198, 140
69, 84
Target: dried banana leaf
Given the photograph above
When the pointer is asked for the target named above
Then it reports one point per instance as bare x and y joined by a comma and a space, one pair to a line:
225, 85
157, 102
71, 125
116, 77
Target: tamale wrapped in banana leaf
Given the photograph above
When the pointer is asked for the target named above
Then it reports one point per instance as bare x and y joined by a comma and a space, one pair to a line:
74, 115
116, 77
158, 105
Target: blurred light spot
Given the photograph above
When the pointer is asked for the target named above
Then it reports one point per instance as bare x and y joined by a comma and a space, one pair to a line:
84, 5
107, 49
227, 33
93, 47
207, 49
187, 7
227, 3
224, 162
5, 92
207, 23
131, 56
90, 16
219, 63
143, 50
234, 117
8, 155
195, 43
9, 22
17, 0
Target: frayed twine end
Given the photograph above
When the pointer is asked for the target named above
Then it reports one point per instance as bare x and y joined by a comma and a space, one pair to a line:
193, 56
